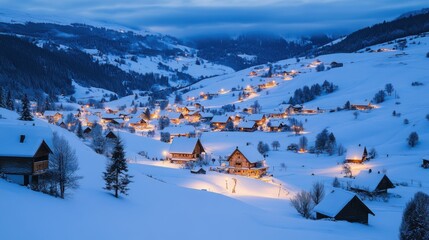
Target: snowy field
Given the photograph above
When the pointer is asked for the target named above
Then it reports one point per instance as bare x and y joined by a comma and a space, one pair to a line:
168, 202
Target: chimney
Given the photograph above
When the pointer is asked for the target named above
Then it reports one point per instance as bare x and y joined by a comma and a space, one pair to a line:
21, 138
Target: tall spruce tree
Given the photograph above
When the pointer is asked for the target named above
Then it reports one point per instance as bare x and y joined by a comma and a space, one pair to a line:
79, 131
2, 98
116, 176
25, 113
9, 101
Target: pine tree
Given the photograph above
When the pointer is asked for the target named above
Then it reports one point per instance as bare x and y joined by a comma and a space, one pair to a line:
2, 100
25, 113
116, 176
9, 101
415, 220
79, 131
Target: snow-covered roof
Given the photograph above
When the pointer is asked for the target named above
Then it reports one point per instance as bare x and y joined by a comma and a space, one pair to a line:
255, 117
334, 202
183, 129
50, 113
246, 124
276, 123
220, 119
367, 181
355, 152
109, 116
183, 145
92, 118
251, 153
426, 157
136, 120
173, 115
206, 114
34, 136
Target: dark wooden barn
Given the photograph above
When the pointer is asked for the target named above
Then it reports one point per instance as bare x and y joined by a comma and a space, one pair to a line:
111, 135
372, 183
343, 205
199, 171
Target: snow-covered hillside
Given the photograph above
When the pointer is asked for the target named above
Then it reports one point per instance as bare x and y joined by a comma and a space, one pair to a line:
168, 202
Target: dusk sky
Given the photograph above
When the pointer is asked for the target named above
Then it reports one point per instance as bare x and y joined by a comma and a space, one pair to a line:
185, 18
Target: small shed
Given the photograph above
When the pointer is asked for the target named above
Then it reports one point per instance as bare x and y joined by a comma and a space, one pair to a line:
356, 154
425, 163
372, 183
343, 205
87, 130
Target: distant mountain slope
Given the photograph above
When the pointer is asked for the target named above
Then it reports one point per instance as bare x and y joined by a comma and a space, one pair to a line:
250, 50
379, 33
24, 67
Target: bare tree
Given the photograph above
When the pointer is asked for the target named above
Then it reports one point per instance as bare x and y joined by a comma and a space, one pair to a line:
347, 170
275, 144
389, 89
318, 192
336, 183
303, 204
63, 166
413, 139
303, 142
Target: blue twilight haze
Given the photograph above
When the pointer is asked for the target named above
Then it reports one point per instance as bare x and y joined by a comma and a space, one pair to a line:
184, 18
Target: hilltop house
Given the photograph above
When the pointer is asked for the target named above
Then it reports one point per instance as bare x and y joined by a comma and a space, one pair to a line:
247, 161
356, 154
24, 154
361, 107
343, 205
183, 150
372, 183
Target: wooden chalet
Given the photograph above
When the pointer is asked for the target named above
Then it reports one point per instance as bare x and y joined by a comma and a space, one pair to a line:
259, 119
111, 135
247, 161
356, 154
107, 118
62, 124
219, 122
87, 130
24, 154
336, 64
180, 131
199, 171
362, 107
193, 116
343, 206
175, 117
206, 116
138, 123
183, 150
53, 116
266, 85
372, 183
425, 163
247, 126
276, 125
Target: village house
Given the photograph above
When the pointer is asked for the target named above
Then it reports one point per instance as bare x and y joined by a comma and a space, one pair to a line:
175, 117
180, 131
110, 135
343, 205
362, 107
53, 116
336, 64
276, 125
137, 123
87, 130
372, 183
266, 85
247, 161
259, 119
247, 126
356, 154
219, 122
277, 113
184, 150
107, 118
206, 116
24, 154
193, 116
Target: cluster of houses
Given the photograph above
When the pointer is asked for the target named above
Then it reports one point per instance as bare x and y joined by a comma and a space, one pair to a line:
244, 160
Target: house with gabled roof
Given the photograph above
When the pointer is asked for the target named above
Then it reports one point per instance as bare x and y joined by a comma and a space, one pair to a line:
371, 183
219, 121
356, 154
260, 119
247, 161
425, 163
247, 126
138, 123
183, 150
24, 154
343, 205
